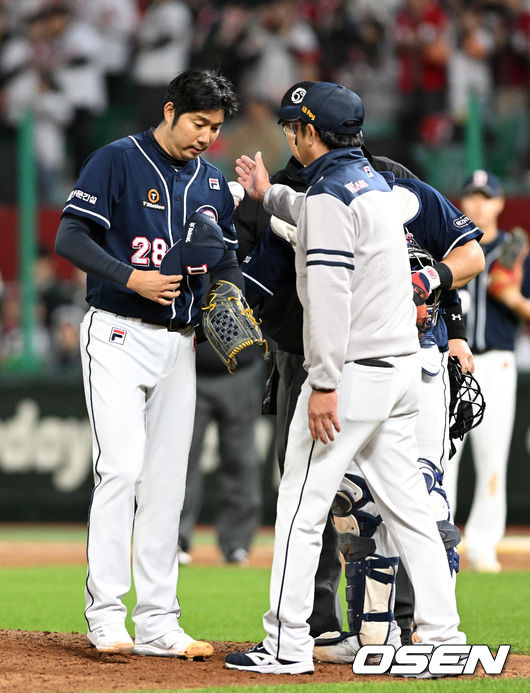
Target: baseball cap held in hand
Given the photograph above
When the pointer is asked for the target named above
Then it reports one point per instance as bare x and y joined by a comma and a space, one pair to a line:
198, 251
334, 108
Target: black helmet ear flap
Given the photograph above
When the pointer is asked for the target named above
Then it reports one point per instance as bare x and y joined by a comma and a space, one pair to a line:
467, 405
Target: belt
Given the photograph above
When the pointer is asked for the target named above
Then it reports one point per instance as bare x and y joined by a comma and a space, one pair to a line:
171, 324
375, 363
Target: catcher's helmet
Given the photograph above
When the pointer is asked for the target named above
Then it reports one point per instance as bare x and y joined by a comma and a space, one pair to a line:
467, 405
419, 258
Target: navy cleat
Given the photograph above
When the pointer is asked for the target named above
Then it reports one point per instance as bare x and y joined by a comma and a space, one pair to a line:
258, 660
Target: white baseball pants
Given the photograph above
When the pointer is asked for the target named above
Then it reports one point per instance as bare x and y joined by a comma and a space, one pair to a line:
496, 374
140, 392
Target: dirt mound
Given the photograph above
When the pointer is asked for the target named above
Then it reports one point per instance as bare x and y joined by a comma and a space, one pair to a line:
65, 663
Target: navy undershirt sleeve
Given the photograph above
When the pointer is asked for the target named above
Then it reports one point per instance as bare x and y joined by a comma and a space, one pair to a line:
76, 241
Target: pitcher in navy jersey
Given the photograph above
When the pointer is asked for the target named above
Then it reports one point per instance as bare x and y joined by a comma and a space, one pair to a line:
129, 206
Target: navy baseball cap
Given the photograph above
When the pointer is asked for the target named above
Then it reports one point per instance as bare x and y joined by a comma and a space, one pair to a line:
334, 108
291, 100
200, 249
482, 182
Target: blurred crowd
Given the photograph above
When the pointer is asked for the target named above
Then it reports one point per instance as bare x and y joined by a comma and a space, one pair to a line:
93, 71
60, 307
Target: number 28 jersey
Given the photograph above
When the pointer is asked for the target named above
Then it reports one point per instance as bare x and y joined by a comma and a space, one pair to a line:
140, 198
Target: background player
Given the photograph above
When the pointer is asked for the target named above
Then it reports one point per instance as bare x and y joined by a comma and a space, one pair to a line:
232, 401
130, 205
361, 394
492, 320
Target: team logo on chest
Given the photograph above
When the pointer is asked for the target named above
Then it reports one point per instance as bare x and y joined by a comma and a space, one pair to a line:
117, 335
153, 200
209, 211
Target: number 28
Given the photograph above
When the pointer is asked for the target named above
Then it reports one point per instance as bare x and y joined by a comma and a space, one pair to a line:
148, 252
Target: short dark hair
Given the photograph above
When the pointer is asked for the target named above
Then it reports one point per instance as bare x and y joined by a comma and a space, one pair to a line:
201, 90
333, 140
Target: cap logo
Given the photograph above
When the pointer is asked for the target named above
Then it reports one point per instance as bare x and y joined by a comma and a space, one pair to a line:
308, 113
298, 95
480, 178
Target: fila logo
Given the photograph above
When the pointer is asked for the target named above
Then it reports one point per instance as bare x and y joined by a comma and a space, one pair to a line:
117, 335
200, 269
368, 171
214, 183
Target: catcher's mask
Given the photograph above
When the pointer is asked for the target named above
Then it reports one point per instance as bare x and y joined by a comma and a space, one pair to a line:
467, 405
420, 258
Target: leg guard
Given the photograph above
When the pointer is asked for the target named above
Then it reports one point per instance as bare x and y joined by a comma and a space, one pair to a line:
378, 600
442, 513
370, 578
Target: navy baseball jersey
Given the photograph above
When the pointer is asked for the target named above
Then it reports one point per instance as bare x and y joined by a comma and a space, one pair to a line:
140, 199
438, 226
490, 324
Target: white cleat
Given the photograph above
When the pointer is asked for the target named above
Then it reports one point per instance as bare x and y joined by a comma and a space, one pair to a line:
185, 557
176, 643
485, 566
111, 638
341, 648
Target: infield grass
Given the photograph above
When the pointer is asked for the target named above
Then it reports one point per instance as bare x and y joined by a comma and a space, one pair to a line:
227, 603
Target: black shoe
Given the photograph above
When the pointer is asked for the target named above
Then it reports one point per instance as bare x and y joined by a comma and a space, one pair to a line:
258, 660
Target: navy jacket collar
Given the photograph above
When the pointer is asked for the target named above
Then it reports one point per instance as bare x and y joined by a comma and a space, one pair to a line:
310, 174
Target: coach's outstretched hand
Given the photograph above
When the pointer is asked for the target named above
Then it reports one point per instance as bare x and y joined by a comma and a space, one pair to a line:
161, 288
253, 176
